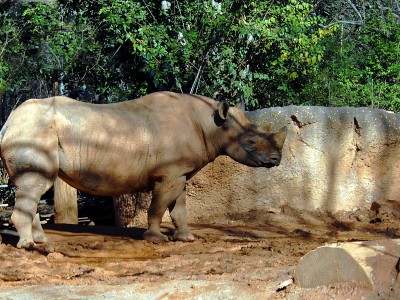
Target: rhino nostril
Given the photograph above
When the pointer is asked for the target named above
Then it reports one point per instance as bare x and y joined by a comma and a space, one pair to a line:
275, 158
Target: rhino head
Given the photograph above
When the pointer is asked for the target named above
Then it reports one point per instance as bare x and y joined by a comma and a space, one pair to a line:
246, 143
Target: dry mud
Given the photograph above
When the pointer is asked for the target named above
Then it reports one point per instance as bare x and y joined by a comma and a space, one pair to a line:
235, 260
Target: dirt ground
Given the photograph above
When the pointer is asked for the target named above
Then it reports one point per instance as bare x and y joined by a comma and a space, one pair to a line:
257, 260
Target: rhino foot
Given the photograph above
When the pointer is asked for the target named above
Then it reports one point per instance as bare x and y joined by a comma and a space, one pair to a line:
183, 237
40, 238
23, 243
155, 237
37, 231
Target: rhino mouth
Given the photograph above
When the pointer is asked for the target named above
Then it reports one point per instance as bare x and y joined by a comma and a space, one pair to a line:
270, 165
266, 162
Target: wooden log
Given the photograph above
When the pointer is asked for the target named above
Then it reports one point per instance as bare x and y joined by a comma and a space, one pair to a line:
65, 203
372, 263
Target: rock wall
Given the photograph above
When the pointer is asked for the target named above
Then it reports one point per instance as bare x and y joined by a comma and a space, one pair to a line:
333, 159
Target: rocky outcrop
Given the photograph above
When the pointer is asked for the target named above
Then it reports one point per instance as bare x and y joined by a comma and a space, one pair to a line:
333, 159
336, 158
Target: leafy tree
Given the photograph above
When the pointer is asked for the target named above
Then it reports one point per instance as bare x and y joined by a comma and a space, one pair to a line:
260, 48
275, 52
362, 65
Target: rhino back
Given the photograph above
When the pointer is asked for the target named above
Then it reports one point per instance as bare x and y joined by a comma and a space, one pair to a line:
125, 147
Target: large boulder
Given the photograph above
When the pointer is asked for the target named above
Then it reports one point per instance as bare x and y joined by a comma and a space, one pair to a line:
374, 264
333, 159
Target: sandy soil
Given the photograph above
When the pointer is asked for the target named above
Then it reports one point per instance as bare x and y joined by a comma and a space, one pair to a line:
254, 258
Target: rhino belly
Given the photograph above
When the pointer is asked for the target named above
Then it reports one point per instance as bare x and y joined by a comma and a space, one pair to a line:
106, 176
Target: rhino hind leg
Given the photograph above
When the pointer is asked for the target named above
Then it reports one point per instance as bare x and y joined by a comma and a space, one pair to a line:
29, 188
164, 194
178, 213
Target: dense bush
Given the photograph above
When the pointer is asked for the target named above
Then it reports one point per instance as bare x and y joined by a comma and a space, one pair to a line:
361, 64
274, 52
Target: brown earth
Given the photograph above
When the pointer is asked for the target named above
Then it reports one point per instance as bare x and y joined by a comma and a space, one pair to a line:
254, 258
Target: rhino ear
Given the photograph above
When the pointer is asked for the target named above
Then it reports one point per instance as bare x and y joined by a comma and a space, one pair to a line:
223, 108
280, 137
241, 104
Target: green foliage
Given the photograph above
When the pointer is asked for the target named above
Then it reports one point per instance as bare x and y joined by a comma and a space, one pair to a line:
10, 49
274, 52
263, 50
284, 49
362, 63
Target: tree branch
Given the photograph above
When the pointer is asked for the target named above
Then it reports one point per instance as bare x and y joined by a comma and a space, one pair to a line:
342, 22
209, 46
357, 11
145, 4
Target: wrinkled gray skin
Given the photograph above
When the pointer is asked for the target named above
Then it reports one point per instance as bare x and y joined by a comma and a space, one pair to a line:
154, 143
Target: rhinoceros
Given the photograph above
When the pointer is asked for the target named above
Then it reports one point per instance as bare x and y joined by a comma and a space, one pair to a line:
153, 143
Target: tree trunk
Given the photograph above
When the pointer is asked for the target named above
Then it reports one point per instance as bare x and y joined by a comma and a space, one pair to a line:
65, 203
131, 210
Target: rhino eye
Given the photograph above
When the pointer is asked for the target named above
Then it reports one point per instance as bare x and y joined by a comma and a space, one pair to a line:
250, 145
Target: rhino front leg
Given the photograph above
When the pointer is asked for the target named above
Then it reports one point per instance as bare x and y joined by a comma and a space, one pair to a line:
178, 213
164, 194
